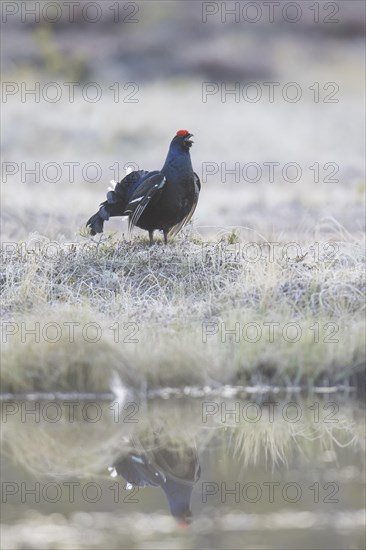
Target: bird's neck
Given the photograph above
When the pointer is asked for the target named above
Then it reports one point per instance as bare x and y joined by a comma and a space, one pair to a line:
177, 158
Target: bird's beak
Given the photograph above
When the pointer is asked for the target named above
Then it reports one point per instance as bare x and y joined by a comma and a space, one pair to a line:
188, 138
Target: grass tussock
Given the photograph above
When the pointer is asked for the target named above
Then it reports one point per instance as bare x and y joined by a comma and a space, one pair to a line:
194, 312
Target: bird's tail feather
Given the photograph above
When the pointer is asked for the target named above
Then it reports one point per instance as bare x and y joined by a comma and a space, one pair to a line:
96, 222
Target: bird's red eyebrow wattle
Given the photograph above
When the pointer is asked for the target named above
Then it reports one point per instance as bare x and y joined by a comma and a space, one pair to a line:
182, 132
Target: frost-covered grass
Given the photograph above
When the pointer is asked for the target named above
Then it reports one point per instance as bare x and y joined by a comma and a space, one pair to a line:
195, 312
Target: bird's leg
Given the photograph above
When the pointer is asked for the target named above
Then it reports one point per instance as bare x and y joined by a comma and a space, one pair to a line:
165, 236
151, 237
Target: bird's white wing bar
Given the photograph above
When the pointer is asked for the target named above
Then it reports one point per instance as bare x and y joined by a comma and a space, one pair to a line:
147, 191
135, 200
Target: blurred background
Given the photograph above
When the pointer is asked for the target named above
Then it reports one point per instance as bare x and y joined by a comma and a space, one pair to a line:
256, 83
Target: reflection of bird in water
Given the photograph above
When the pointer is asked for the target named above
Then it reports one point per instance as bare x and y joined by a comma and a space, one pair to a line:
174, 470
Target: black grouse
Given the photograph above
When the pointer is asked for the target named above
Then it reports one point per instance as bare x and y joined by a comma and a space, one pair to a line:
176, 471
162, 200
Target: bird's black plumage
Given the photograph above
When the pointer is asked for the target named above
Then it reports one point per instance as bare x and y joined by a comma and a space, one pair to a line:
162, 200
176, 471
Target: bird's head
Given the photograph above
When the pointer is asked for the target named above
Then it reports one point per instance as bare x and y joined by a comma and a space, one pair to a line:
184, 519
183, 140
